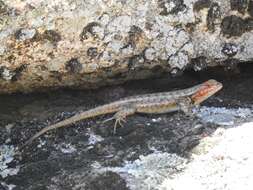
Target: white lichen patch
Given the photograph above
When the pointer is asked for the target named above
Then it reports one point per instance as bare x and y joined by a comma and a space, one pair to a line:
245, 53
128, 51
2, 49
175, 45
180, 37
7, 153
179, 61
120, 24
41, 144
170, 5
156, 120
7, 74
5, 33
99, 31
210, 46
104, 19
26, 33
115, 46
93, 139
66, 148
221, 115
150, 54
227, 165
8, 186
148, 172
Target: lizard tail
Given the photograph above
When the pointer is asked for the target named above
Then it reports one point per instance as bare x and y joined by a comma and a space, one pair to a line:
66, 122
84, 115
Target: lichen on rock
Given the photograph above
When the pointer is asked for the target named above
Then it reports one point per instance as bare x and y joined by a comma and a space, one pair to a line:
104, 37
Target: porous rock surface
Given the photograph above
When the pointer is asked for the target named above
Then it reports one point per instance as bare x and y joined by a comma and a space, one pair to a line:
89, 43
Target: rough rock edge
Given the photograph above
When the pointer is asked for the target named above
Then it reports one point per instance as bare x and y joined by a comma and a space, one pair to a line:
87, 44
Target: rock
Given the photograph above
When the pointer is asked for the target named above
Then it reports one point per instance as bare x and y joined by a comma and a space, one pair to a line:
88, 44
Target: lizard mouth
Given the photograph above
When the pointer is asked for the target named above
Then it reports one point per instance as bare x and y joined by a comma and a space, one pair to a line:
208, 89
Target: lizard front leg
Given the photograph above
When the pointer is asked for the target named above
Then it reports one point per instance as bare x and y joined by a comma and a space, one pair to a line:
121, 116
186, 105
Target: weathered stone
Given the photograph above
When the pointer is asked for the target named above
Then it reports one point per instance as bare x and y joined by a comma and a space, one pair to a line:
86, 44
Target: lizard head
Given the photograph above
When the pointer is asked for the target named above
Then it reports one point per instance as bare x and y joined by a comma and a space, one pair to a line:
206, 90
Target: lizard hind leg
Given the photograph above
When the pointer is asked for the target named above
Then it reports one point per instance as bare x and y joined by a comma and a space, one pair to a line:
121, 116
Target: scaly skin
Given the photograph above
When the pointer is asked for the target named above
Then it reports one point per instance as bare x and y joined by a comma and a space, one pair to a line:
164, 102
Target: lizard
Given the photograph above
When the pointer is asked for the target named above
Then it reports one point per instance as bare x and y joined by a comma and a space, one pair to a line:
163, 102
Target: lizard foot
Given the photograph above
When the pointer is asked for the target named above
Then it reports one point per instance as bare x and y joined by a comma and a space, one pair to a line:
120, 117
185, 105
118, 120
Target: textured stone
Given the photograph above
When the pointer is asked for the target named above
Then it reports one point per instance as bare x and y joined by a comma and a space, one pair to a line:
87, 43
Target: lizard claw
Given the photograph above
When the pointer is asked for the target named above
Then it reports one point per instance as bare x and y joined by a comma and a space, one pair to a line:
118, 120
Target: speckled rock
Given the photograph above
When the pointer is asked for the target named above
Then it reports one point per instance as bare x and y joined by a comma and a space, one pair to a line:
87, 44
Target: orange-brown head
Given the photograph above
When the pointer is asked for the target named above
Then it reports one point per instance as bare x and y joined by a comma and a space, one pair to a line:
206, 90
